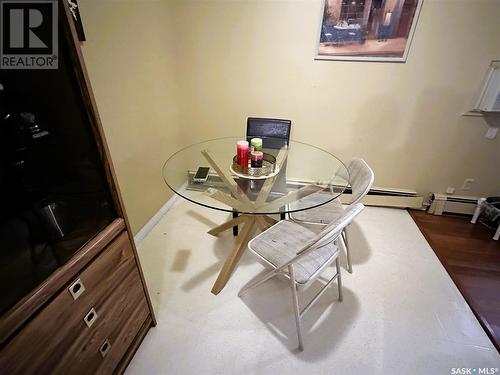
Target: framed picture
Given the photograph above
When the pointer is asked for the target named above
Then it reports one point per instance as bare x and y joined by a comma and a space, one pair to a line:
75, 11
367, 30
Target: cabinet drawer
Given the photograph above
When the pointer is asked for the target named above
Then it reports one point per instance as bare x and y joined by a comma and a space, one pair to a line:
58, 337
121, 315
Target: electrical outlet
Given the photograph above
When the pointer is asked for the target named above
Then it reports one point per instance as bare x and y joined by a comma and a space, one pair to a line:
491, 133
450, 190
467, 184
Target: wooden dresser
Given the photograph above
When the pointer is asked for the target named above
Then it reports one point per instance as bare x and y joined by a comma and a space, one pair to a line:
91, 313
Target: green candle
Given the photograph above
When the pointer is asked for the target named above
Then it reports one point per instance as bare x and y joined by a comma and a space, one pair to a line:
256, 144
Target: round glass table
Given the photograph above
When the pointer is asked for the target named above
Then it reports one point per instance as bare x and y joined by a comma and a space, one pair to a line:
300, 177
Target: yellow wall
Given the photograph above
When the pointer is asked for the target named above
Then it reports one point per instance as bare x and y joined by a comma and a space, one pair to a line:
128, 56
204, 66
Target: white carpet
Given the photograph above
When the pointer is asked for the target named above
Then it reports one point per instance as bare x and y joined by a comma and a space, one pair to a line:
401, 312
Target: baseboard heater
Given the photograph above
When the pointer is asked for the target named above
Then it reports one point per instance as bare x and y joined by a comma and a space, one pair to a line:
377, 196
382, 197
388, 197
457, 204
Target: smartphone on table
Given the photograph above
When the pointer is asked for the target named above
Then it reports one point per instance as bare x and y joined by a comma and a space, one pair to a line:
201, 175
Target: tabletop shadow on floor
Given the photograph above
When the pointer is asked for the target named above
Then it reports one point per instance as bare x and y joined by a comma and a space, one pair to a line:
181, 260
323, 326
202, 219
358, 244
222, 247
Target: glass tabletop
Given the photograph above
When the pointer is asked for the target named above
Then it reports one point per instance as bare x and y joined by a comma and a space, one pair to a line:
301, 177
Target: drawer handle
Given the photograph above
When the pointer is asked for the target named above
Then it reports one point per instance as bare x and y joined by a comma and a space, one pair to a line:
90, 318
104, 349
76, 289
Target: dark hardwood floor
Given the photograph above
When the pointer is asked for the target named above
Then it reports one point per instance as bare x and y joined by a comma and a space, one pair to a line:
472, 258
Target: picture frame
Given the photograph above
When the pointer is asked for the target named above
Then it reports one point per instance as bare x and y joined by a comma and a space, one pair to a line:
367, 30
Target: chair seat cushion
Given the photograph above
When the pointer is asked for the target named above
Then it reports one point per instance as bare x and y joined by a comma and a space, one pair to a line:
282, 241
324, 214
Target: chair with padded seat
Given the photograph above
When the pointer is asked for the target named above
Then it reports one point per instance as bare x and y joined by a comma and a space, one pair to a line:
301, 255
360, 177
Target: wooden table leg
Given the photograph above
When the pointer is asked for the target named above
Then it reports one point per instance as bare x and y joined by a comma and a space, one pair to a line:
228, 225
233, 258
269, 220
241, 203
263, 224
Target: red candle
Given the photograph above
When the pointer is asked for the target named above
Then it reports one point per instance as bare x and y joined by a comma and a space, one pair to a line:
242, 153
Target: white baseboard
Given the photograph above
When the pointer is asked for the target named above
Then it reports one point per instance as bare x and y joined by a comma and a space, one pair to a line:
155, 219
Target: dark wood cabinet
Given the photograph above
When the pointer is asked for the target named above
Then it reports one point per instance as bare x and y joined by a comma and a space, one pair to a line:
89, 312
68, 335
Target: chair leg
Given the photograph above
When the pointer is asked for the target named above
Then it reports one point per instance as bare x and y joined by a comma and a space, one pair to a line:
295, 302
339, 280
348, 253
497, 234
477, 211
235, 228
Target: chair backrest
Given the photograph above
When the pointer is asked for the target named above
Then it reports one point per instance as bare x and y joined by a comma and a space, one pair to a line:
332, 230
277, 129
360, 178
